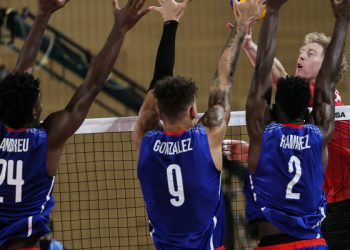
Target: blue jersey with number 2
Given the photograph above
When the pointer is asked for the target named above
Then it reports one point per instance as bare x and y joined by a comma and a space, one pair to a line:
181, 188
286, 187
25, 187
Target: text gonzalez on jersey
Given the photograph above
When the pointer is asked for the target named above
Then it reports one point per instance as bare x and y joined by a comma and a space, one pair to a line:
172, 148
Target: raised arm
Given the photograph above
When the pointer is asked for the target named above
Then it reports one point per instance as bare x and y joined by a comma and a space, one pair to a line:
29, 52
171, 12
250, 49
323, 106
148, 117
216, 118
62, 124
259, 97
218, 114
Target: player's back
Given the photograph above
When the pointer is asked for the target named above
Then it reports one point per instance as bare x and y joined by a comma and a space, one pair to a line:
181, 187
286, 188
25, 187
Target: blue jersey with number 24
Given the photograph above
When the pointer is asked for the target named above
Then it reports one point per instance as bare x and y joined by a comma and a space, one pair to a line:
25, 186
181, 188
286, 187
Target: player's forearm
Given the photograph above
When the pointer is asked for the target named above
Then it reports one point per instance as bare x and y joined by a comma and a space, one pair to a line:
230, 54
267, 43
103, 63
278, 71
28, 54
333, 56
220, 87
77, 108
250, 49
165, 59
277, 67
261, 84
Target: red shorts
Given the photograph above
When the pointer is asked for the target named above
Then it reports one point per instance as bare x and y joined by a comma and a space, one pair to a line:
220, 248
301, 244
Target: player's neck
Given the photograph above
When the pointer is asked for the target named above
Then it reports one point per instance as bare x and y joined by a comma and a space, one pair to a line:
178, 125
23, 126
282, 117
291, 121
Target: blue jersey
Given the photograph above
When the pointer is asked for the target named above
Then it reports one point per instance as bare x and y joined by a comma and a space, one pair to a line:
25, 186
286, 188
181, 188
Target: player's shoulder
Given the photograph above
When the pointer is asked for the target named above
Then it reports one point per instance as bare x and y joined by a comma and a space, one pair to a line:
37, 134
152, 133
39, 131
273, 126
313, 128
198, 129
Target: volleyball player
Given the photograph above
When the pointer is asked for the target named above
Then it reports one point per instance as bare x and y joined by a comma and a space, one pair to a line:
287, 155
337, 176
179, 165
30, 150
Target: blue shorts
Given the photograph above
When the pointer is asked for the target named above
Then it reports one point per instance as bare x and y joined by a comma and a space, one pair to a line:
24, 227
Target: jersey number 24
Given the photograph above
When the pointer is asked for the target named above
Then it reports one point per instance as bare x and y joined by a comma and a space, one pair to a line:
7, 170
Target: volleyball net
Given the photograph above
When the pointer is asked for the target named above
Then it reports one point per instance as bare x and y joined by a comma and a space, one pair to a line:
99, 203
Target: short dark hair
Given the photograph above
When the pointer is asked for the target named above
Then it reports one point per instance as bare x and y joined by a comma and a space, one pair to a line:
18, 95
175, 94
293, 96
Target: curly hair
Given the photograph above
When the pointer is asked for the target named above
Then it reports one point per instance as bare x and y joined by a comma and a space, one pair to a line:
175, 95
18, 95
324, 41
293, 96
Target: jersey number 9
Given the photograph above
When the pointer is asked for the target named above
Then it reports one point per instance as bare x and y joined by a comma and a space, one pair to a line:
174, 170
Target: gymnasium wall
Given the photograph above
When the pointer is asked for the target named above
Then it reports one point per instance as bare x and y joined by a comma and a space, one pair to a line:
201, 36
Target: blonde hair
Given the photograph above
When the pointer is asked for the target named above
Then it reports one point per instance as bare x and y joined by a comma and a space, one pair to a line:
323, 40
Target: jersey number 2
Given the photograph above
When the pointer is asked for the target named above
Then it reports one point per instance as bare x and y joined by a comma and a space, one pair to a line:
293, 162
18, 181
178, 191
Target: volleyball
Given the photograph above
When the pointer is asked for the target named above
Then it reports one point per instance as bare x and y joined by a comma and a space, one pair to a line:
261, 4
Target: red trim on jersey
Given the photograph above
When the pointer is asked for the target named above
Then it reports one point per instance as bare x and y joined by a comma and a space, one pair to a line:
221, 248
292, 125
338, 101
295, 245
16, 130
30, 248
175, 133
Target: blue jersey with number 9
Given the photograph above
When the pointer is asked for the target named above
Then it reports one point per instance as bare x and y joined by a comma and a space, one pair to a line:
181, 189
286, 187
25, 187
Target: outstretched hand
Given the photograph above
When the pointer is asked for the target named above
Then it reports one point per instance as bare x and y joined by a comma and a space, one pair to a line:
341, 9
170, 9
246, 12
50, 6
235, 150
129, 15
